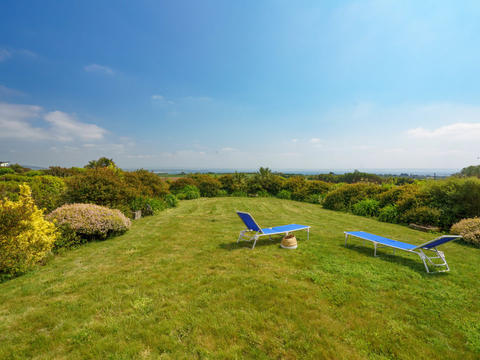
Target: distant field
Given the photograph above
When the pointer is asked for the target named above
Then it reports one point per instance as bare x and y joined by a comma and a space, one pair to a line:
177, 286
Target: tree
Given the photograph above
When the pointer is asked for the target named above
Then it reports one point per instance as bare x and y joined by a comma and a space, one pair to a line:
102, 162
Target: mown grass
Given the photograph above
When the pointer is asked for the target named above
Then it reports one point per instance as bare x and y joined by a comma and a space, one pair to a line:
177, 286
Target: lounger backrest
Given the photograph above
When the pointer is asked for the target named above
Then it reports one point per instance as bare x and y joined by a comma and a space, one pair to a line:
438, 241
248, 221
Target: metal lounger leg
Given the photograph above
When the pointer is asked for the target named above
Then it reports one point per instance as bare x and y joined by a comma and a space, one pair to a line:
308, 234
255, 241
240, 236
375, 251
346, 237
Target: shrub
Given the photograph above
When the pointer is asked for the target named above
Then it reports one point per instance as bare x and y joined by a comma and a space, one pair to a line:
101, 186
388, 214
33, 173
179, 184
314, 198
410, 197
296, 184
456, 198
318, 187
422, 215
222, 193
233, 183
25, 236
469, 229
263, 193
148, 206
344, 196
208, 185
367, 207
189, 192
63, 172
6, 170
171, 201
68, 238
284, 194
239, 193
48, 191
91, 221
146, 183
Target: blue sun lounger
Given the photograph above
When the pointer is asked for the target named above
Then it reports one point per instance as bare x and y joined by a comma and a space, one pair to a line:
379, 241
252, 226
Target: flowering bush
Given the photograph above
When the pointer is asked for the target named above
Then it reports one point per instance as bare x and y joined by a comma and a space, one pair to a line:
469, 229
25, 236
91, 221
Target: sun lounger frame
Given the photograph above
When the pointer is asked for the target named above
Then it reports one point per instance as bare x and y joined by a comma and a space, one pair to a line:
420, 250
259, 232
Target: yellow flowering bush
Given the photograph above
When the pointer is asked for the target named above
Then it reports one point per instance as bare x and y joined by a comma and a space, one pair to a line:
25, 236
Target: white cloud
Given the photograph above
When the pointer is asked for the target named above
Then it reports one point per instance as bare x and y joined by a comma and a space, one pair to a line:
315, 140
294, 140
99, 69
458, 131
66, 128
18, 122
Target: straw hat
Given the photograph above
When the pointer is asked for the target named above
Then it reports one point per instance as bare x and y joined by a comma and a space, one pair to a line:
289, 242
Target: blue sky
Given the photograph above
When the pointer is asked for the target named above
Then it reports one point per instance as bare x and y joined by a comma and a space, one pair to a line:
241, 84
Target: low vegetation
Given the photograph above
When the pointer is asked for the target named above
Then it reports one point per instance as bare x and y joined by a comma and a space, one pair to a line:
177, 285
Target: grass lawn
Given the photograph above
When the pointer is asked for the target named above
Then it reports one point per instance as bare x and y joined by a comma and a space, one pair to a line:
177, 286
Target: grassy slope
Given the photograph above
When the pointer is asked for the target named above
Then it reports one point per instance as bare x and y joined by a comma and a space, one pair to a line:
177, 286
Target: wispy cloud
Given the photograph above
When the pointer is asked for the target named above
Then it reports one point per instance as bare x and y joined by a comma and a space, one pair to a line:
17, 122
66, 128
161, 99
456, 131
315, 140
4, 54
6, 91
96, 68
228, 149
7, 53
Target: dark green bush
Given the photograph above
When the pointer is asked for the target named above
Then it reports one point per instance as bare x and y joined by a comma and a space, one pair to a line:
189, 192
284, 194
67, 238
179, 184
6, 170
148, 206
208, 185
366, 207
222, 193
388, 214
146, 183
239, 193
411, 197
456, 199
101, 186
318, 187
263, 193
343, 197
422, 215
48, 191
171, 200
233, 183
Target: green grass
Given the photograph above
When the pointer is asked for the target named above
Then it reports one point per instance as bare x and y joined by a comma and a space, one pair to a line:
178, 286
